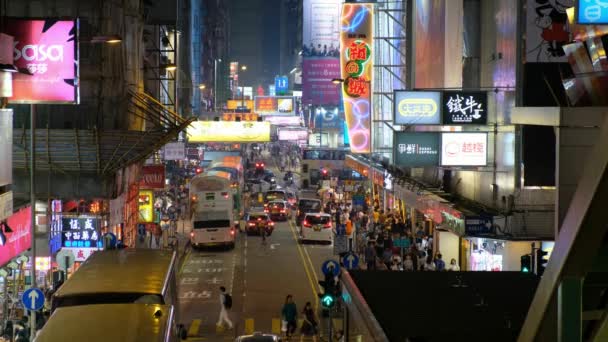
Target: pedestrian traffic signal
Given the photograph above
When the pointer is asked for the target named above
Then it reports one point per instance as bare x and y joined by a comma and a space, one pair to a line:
541, 262
327, 301
526, 263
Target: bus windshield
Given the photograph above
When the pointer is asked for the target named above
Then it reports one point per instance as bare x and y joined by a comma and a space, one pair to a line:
212, 224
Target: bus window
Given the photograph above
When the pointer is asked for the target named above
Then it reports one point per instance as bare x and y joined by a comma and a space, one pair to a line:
315, 176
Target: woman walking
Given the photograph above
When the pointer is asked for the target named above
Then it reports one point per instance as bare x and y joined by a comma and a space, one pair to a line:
309, 327
290, 316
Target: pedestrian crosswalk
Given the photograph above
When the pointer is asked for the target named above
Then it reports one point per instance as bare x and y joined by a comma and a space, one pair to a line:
198, 329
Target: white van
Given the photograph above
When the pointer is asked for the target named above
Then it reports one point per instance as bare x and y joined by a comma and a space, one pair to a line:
213, 228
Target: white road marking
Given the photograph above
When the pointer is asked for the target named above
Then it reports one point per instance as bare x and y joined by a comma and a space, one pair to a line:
272, 245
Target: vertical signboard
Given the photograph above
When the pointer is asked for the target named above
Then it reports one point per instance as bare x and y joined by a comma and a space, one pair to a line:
20, 239
356, 43
320, 52
48, 50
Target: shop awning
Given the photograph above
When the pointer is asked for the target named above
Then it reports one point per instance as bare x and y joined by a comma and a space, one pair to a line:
100, 151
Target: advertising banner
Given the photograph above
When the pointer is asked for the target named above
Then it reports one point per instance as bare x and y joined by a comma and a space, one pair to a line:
413, 149
356, 44
464, 149
241, 116
465, 107
234, 104
152, 177
175, 151
80, 232
328, 117
320, 51
117, 210
6, 146
283, 120
417, 107
48, 50
274, 105
20, 239
547, 30
146, 206
228, 131
293, 134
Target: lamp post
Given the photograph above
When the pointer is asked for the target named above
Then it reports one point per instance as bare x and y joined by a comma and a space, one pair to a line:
215, 61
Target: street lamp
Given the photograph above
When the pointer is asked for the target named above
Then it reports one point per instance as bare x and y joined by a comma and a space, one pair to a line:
201, 87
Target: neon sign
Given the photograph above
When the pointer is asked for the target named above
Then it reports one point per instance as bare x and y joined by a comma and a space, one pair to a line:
356, 64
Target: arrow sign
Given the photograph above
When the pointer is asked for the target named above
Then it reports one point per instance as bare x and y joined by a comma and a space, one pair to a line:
350, 261
33, 299
327, 265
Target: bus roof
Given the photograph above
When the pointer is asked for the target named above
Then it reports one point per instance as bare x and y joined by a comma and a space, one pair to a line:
109, 322
121, 271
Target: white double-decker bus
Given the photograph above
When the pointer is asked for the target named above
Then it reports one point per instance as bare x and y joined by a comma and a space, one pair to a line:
212, 210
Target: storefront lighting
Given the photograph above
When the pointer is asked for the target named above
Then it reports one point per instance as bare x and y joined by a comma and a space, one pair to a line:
170, 67
108, 39
337, 81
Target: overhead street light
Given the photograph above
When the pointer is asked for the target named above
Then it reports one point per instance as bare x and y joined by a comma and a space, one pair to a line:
244, 67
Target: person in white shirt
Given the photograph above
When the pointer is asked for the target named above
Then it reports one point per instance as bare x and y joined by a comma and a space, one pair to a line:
429, 265
453, 266
224, 310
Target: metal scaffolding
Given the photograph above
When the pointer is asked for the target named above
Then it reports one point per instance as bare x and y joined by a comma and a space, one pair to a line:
161, 54
390, 20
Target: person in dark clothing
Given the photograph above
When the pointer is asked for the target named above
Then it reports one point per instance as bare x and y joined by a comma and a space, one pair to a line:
290, 315
370, 256
309, 326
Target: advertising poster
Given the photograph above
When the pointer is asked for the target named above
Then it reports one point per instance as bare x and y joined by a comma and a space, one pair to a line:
20, 239
465, 107
283, 120
234, 104
547, 30
48, 50
321, 52
417, 107
228, 131
464, 149
356, 44
416, 149
293, 134
152, 177
328, 118
146, 206
274, 105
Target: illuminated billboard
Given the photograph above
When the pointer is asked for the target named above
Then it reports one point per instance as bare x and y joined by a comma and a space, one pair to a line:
417, 107
416, 149
48, 50
274, 105
293, 134
146, 206
234, 104
356, 62
228, 131
283, 120
464, 149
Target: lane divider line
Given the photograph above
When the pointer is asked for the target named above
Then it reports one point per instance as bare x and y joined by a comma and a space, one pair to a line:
305, 264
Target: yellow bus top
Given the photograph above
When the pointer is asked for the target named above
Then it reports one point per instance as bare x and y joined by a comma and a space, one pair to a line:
109, 322
121, 271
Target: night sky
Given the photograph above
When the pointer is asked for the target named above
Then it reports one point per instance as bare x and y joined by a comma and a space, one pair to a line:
254, 39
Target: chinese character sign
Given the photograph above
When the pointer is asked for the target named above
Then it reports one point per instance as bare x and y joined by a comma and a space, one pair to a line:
48, 50
465, 107
417, 107
356, 61
80, 232
413, 149
592, 12
464, 149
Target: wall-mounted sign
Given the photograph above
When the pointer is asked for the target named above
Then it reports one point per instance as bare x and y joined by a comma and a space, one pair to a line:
48, 50
464, 149
356, 63
416, 149
152, 177
478, 225
328, 117
240, 116
281, 84
318, 139
592, 12
293, 134
81, 253
228, 131
20, 239
174, 151
417, 107
146, 206
234, 104
274, 105
283, 120
465, 107
80, 232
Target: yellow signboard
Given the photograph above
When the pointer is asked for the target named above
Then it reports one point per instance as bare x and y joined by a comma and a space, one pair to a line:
228, 131
233, 104
146, 206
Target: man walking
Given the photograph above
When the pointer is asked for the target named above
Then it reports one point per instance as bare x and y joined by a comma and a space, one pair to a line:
225, 305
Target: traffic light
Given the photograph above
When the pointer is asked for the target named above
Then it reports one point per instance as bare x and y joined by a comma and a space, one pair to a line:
526, 263
324, 173
327, 301
541, 262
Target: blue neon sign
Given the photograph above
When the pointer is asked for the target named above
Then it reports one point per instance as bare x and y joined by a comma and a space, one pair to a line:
592, 12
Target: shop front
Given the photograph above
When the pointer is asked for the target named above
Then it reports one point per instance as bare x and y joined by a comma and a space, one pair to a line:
492, 254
